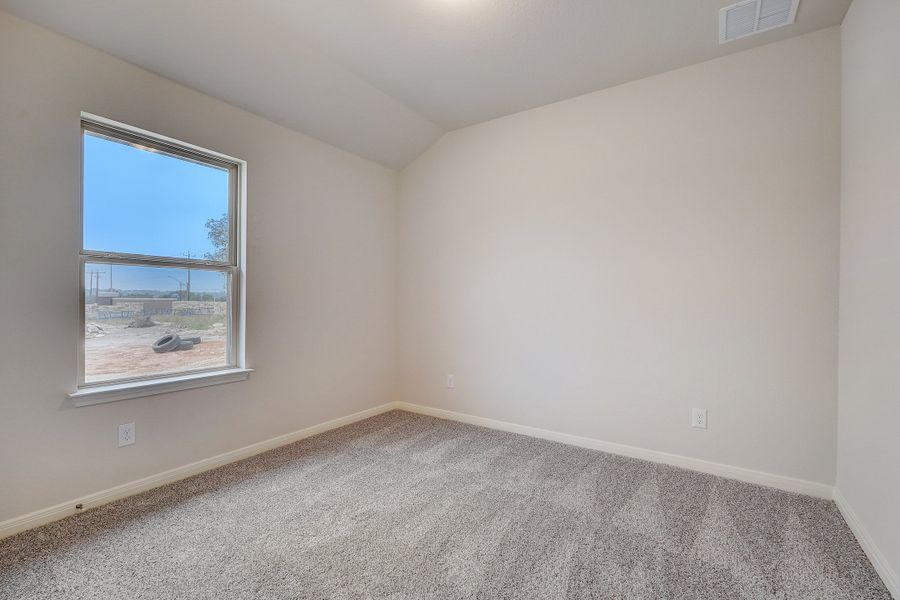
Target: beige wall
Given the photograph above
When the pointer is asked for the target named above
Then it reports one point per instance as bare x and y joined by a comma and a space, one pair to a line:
320, 302
869, 432
596, 267
601, 265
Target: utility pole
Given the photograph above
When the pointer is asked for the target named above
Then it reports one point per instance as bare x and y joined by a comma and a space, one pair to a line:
94, 290
188, 254
110, 277
179, 285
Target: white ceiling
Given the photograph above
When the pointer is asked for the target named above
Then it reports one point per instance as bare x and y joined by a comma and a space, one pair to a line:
384, 78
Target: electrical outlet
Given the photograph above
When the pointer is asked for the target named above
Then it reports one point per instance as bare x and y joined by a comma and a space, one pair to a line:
698, 418
451, 383
126, 434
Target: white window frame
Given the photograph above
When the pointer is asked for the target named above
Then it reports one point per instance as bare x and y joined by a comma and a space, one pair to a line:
133, 387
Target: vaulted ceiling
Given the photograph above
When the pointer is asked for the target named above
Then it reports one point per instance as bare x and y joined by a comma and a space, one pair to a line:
385, 78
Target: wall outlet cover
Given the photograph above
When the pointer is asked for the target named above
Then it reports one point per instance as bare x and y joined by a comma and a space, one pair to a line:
698, 418
126, 434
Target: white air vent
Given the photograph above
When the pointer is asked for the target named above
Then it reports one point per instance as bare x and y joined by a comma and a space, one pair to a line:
754, 16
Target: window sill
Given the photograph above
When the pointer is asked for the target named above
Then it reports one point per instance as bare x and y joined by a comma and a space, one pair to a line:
137, 389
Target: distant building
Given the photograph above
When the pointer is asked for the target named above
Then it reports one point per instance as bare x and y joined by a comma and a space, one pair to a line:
106, 298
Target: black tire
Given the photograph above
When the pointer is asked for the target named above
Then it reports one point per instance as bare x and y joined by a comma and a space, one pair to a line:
186, 345
196, 339
167, 343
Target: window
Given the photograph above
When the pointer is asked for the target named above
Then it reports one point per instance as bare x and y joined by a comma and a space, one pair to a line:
160, 262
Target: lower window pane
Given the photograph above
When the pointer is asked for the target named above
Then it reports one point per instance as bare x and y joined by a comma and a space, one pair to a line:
146, 321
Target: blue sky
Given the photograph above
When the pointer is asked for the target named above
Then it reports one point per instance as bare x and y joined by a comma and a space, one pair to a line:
144, 202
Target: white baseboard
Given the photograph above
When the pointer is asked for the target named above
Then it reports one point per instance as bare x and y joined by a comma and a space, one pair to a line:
54, 513
781, 482
878, 560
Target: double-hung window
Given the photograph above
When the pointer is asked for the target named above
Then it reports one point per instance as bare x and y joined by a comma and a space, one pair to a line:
160, 265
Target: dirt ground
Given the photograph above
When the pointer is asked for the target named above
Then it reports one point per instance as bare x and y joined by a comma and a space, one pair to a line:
114, 351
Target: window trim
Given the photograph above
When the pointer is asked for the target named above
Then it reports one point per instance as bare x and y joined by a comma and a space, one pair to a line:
184, 381
118, 389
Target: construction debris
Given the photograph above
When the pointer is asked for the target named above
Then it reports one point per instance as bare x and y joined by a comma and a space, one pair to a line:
92, 330
141, 322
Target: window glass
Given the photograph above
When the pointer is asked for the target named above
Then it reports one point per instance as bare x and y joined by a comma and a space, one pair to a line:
159, 259
128, 309
139, 200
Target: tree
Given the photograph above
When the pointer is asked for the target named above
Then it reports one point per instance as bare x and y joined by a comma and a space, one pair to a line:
217, 230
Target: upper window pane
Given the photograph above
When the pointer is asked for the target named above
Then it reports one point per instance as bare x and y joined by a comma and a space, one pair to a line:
140, 200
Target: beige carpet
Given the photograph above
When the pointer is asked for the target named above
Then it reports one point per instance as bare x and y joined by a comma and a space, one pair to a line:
403, 506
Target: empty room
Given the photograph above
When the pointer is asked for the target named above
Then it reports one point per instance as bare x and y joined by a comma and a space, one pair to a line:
449, 299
